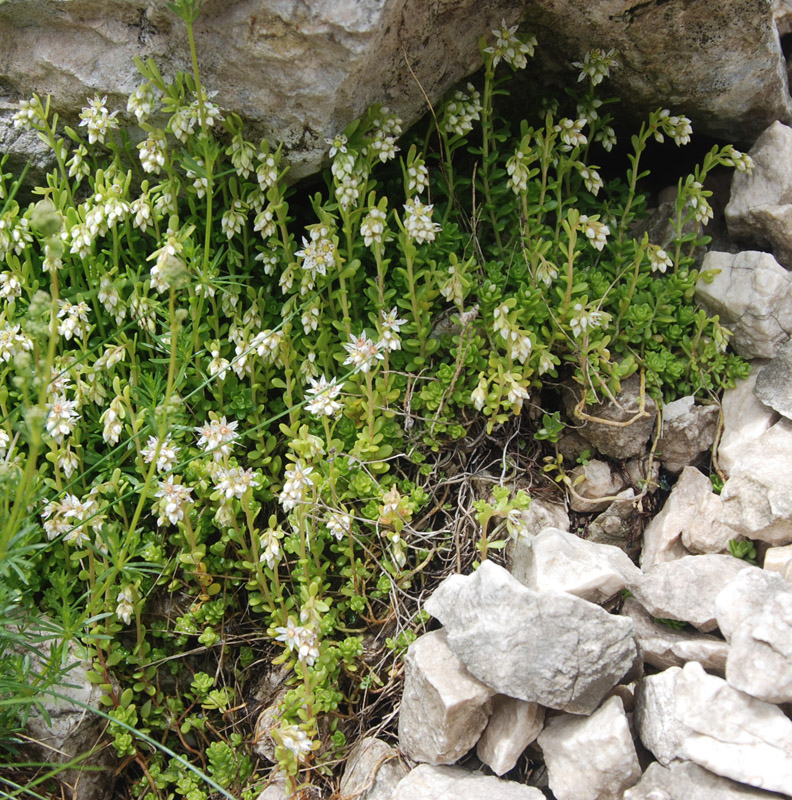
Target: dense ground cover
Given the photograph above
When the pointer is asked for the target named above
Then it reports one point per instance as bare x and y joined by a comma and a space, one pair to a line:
239, 423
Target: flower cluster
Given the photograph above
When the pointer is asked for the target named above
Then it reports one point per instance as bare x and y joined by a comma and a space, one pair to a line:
510, 47
418, 221
462, 111
596, 65
98, 119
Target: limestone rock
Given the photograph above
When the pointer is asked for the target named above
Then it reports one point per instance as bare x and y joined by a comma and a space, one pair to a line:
263, 743
686, 589
444, 708
757, 502
590, 758
659, 729
565, 653
621, 440
277, 789
732, 734
684, 780
706, 534
744, 596
614, 525
681, 514
745, 419
562, 562
663, 647
513, 725
539, 515
774, 382
688, 431
599, 485
759, 209
752, 294
760, 656
372, 770
779, 559
298, 72
432, 783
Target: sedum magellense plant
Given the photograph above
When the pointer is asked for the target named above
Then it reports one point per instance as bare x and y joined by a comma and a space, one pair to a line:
216, 419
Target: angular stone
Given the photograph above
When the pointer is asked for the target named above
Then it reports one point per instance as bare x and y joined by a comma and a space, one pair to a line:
759, 209
688, 431
744, 596
597, 489
760, 656
512, 726
444, 708
779, 560
659, 729
562, 562
774, 382
373, 768
745, 419
663, 647
681, 514
565, 653
757, 502
278, 789
614, 526
539, 515
684, 780
752, 295
634, 423
435, 783
686, 589
590, 758
732, 734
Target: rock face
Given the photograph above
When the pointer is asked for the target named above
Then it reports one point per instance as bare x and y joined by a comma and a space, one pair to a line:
757, 502
565, 653
590, 758
759, 207
372, 771
774, 382
444, 708
300, 72
599, 486
688, 431
752, 294
513, 725
431, 783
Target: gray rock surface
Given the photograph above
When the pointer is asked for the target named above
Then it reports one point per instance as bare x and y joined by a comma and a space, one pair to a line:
744, 596
599, 485
444, 708
759, 209
659, 729
745, 419
614, 526
512, 726
565, 653
779, 560
590, 758
539, 515
774, 382
562, 562
663, 647
684, 780
688, 431
373, 768
433, 783
752, 295
732, 734
757, 502
628, 437
686, 589
760, 656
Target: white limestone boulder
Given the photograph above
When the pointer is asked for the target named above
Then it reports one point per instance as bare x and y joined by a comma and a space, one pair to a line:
372, 770
779, 560
427, 782
688, 431
512, 726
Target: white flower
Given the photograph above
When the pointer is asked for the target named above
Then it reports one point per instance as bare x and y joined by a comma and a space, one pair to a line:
517, 171
142, 101
152, 153
10, 286
373, 226
460, 112
479, 396
218, 366
78, 167
417, 177
166, 458
67, 460
174, 501
296, 741
242, 155
390, 330
339, 525
596, 65
521, 346
659, 260
297, 481
320, 253
233, 219
418, 221
591, 179
98, 119
111, 419
517, 393
595, 231
338, 144
74, 317
289, 634
323, 394
267, 171
270, 547
571, 131
13, 342
217, 436
5, 440
62, 418
114, 354
509, 47
124, 607
583, 320
235, 481
71, 516
362, 353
